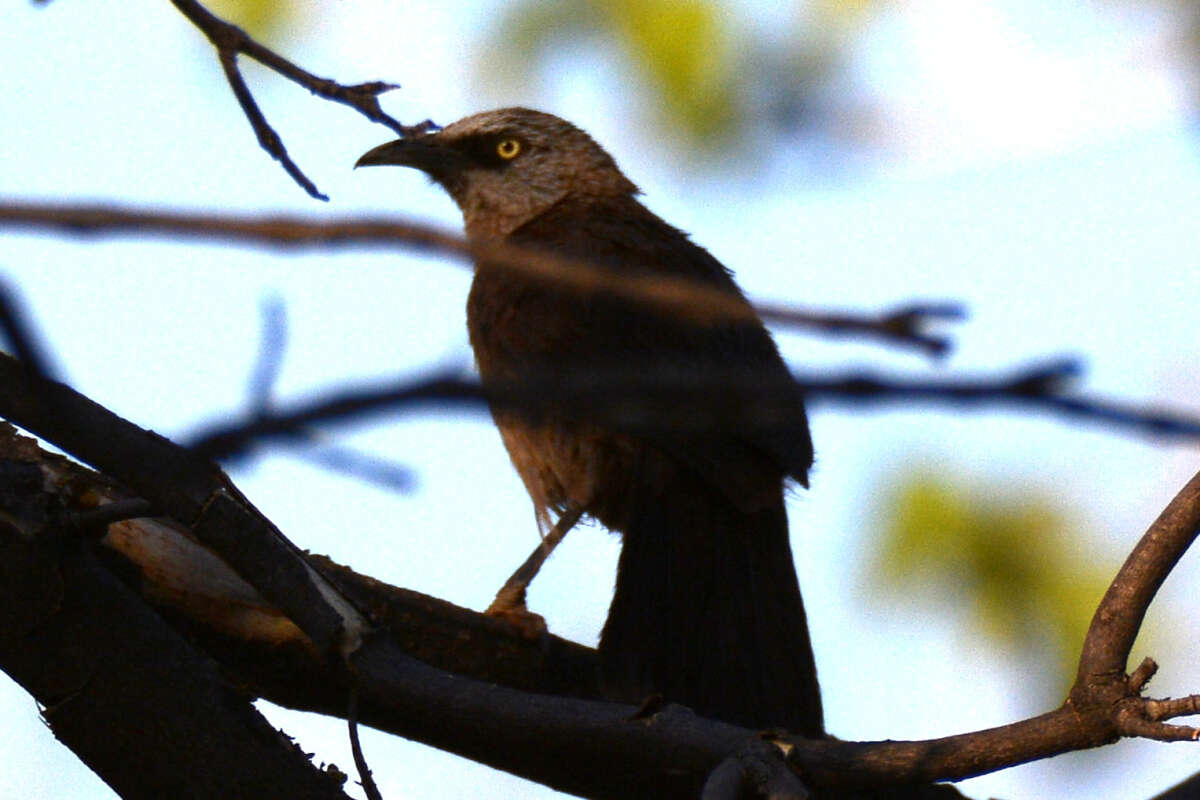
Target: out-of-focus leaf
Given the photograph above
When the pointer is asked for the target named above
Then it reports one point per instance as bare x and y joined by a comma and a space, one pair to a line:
687, 51
529, 27
713, 79
843, 13
1015, 561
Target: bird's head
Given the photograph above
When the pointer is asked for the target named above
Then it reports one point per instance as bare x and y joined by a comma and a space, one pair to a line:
505, 167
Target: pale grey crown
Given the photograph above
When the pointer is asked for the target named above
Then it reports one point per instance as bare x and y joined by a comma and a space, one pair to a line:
556, 160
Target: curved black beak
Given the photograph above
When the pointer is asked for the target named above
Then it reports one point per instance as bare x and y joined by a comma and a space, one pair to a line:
426, 153
385, 154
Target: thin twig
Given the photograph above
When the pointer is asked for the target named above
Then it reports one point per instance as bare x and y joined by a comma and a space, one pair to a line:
1173, 707
360, 762
690, 299
1142, 675
361, 466
907, 324
261, 386
271, 349
706, 399
268, 139
230, 41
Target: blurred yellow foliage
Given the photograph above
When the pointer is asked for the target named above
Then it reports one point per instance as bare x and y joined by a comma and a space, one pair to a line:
686, 51
716, 73
262, 19
1015, 561
843, 12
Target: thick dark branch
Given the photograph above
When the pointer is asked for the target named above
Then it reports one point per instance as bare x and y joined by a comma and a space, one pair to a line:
759, 769
231, 41
401, 694
902, 326
573, 743
415, 700
189, 489
128, 695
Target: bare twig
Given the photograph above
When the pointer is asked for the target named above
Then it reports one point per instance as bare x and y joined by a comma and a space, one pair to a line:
365, 779
1145, 726
1173, 707
691, 299
393, 477
231, 41
636, 399
907, 324
1142, 675
362, 466
271, 348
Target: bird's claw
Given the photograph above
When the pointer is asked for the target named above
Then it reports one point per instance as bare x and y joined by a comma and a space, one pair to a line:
512, 609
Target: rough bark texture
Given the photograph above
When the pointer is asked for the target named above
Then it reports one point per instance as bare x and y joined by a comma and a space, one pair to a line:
122, 690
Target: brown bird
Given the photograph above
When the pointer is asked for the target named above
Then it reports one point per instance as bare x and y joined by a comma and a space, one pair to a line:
707, 611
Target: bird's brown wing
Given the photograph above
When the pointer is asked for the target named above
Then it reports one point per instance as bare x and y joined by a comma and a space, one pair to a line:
614, 336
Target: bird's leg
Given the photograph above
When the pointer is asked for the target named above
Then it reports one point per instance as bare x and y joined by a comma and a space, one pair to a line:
510, 600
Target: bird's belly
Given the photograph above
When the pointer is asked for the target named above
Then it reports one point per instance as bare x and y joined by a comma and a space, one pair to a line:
517, 328
566, 463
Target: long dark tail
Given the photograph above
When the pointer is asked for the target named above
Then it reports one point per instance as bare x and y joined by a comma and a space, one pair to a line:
707, 612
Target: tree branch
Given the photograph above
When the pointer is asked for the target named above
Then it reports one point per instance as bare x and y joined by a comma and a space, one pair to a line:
572, 743
187, 488
1116, 622
231, 41
131, 698
637, 400
556, 740
903, 326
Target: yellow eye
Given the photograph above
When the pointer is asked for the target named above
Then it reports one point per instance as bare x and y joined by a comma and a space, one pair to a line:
508, 148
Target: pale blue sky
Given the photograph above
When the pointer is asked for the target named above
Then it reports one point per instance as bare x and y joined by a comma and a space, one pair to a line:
1033, 160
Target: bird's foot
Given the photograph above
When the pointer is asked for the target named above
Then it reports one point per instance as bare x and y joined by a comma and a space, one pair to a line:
510, 607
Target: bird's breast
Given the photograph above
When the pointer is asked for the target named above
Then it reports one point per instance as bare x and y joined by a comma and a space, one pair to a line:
517, 324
